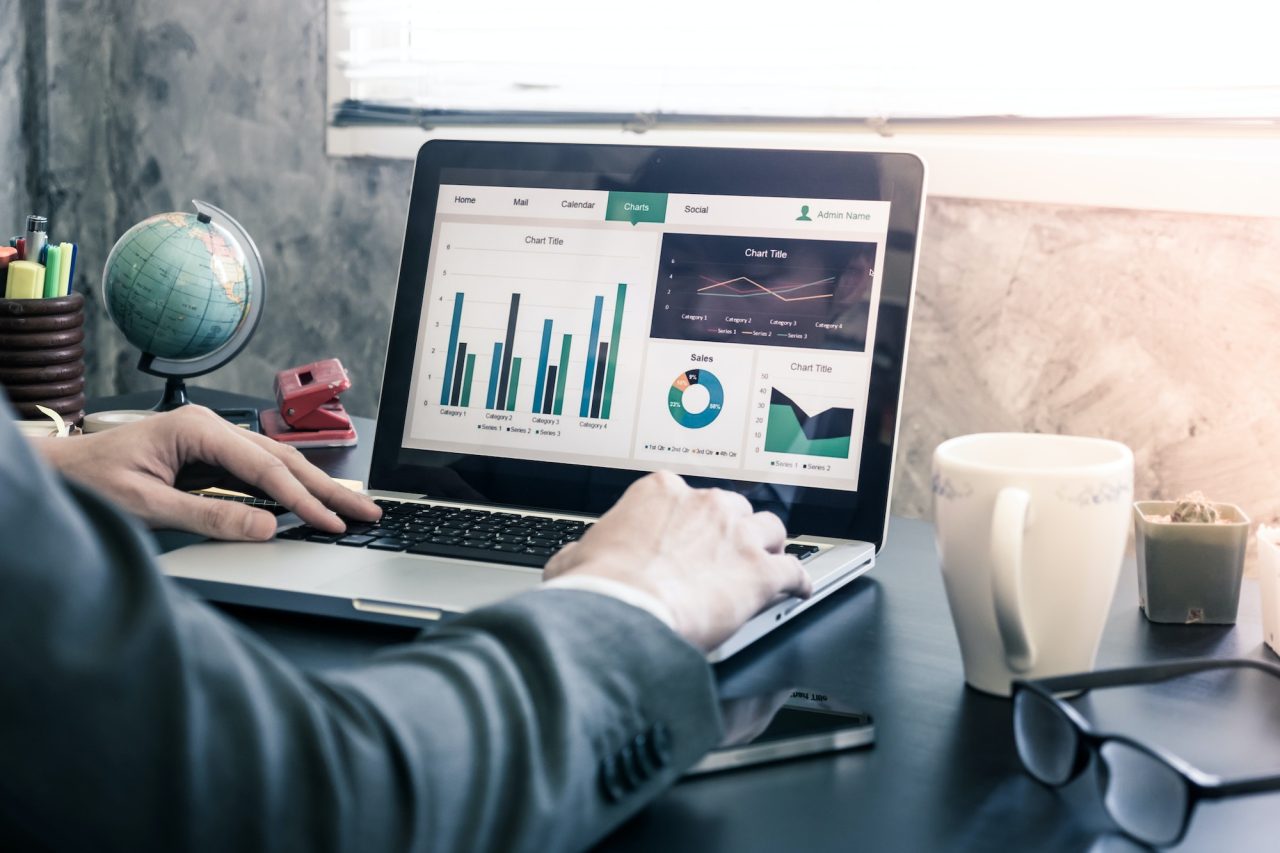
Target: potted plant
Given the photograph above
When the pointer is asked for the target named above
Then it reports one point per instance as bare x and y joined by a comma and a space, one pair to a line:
1190, 559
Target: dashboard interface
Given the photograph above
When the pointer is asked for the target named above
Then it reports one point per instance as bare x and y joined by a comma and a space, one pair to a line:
715, 336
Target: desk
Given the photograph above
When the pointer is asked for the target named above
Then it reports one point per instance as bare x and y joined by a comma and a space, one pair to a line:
943, 774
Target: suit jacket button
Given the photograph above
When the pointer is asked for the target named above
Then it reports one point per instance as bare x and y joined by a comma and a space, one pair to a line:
610, 784
658, 745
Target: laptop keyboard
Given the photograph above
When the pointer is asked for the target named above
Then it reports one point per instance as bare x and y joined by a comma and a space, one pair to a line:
448, 531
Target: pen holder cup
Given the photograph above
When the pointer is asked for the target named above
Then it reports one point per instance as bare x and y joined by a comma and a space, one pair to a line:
42, 355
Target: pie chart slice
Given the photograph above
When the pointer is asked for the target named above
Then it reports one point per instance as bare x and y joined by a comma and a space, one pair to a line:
710, 389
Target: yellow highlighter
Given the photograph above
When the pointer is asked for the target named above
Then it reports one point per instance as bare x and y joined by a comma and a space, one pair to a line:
64, 262
26, 280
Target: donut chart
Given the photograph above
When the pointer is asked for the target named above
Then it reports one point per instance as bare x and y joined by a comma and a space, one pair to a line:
693, 417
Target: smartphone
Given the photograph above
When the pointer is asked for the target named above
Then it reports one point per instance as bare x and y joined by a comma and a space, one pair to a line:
807, 723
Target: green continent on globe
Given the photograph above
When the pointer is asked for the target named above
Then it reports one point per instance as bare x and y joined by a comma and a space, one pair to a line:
178, 288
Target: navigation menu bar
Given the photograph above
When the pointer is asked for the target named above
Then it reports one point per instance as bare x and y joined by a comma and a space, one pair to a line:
800, 214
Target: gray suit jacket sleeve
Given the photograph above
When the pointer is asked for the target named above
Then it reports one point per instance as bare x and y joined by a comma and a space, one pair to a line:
135, 718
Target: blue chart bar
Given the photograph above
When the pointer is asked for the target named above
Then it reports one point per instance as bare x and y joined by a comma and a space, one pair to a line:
493, 376
542, 365
453, 350
585, 409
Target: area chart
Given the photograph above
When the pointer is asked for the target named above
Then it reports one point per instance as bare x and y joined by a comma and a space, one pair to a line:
792, 430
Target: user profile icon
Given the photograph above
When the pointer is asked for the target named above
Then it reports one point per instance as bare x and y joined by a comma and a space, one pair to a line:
804, 214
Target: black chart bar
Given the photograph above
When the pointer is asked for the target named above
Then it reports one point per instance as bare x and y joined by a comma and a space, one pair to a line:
505, 375
598, 391
549, 395
457, 374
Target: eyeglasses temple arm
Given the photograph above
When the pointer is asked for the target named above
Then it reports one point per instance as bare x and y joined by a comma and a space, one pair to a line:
1149, 674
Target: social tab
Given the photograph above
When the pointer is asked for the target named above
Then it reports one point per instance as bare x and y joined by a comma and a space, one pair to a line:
636, 207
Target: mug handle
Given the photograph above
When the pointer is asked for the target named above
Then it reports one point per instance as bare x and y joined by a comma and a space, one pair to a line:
1008, 523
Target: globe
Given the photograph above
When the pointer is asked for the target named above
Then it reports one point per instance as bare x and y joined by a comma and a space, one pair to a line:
177, 287
186, 289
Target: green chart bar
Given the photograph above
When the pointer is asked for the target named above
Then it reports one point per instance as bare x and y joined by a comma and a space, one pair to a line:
453, 349
492, 397
613, 350
466, 379
558, 406
515, 383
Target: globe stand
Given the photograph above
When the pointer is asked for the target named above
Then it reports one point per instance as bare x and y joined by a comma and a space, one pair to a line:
175, 395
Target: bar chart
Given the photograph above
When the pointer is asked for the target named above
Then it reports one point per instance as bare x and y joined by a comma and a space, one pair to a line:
533, 338
550, 376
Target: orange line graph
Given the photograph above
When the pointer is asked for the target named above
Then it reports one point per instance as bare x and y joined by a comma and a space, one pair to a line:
758, 289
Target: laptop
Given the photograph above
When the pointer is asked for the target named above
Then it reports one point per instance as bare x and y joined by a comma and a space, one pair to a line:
571, 317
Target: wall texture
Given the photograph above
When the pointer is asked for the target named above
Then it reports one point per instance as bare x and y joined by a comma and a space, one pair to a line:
1155, 329
13, 153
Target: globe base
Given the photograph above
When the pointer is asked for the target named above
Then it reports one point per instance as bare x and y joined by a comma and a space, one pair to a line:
175, 395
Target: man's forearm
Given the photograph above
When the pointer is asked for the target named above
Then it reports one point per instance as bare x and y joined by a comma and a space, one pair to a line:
161, 725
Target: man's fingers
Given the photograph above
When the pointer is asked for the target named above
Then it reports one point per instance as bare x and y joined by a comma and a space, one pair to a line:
560, 562
768, 530
231, 448
789, 576
331, 493
211, 517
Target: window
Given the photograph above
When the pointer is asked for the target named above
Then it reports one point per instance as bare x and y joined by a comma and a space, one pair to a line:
711, 61
1131, 104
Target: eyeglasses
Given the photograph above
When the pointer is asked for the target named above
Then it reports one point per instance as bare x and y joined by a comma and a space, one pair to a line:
1149, 793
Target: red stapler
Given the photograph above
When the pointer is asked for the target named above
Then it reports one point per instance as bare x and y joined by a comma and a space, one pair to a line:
310, 414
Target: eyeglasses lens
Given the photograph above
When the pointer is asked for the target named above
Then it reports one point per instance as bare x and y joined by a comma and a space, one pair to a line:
1047, 741
1145, 797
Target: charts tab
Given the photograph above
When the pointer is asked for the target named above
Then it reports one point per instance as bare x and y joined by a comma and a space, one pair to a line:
765, 291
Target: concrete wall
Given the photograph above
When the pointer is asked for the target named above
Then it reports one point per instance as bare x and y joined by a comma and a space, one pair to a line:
13, 152
1156, 329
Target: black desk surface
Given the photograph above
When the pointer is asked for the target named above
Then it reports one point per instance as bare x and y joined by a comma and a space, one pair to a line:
943, 774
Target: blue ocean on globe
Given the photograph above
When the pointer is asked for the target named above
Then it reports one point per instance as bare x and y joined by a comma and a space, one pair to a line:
177, 287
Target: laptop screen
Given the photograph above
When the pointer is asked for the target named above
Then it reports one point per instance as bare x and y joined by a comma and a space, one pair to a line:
595, 328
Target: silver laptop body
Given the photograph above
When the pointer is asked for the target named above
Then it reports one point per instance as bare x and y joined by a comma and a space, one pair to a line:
738, 317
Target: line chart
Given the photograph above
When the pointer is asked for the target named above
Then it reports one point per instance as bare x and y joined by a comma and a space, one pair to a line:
757, 289
761, 291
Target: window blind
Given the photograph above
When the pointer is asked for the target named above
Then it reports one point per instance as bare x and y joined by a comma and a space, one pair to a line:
709, 60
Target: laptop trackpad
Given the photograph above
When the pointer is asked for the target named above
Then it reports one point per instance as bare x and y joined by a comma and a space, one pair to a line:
449, 585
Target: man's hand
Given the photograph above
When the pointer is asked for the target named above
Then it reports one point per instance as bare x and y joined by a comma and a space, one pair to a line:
138, 464
701, 552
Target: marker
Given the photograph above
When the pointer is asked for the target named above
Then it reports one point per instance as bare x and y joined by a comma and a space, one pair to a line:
26, 281
37, 236
71, 276
52, 272
64, 265
22, 248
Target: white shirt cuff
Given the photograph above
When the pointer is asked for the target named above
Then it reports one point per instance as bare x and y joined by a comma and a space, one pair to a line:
616, 589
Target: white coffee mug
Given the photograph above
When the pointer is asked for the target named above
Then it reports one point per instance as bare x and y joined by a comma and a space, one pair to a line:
1031, 532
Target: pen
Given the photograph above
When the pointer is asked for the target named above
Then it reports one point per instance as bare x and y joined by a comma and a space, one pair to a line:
37, 237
